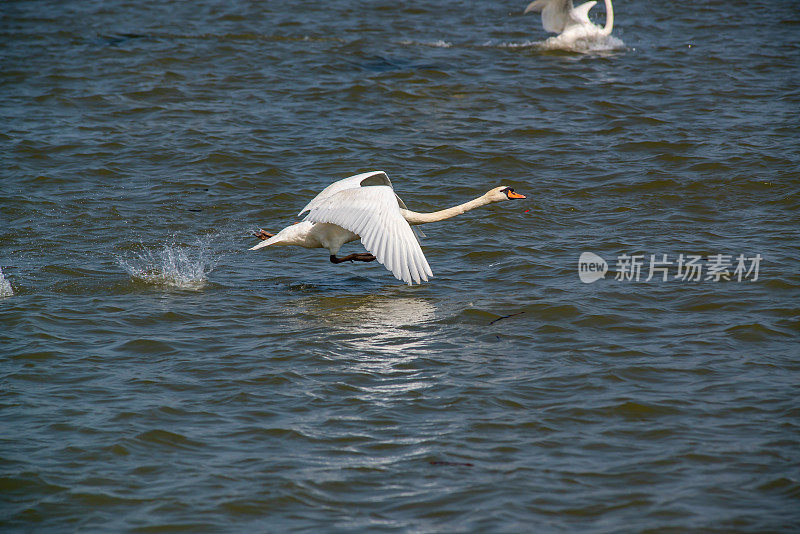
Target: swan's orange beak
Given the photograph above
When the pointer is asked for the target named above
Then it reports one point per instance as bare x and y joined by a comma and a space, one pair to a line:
514, 194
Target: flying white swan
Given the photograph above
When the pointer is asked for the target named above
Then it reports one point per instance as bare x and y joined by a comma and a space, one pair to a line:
570, 22
365, 206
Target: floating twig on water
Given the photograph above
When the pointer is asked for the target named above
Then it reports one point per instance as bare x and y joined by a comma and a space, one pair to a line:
506, 317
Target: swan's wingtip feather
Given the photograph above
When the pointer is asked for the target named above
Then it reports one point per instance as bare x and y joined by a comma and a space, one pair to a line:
259, 246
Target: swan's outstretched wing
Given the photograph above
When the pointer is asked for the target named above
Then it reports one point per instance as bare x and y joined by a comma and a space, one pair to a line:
556, 14
359, 180
372, 213
353, 182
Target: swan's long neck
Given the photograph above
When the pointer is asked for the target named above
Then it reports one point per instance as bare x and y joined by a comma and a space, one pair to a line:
414, 217
609, 19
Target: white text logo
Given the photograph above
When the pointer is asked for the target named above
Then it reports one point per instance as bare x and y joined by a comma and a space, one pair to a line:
591, 267
684, 267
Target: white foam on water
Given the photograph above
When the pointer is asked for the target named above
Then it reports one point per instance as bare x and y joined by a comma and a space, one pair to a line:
583, 43
171, 265
433, 44
524, 44
5, 286
439, 44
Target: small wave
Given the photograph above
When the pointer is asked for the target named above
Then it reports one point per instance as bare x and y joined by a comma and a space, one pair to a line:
5, 286
171, 265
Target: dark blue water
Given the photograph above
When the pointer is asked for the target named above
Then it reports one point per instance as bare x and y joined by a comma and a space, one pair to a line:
156, 375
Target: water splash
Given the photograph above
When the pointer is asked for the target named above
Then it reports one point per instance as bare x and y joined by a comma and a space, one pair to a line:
171, 265
5, 286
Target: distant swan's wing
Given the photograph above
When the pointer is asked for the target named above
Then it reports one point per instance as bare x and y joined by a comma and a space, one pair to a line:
353, 182
556, 14
581, 13
373, 214
536, 5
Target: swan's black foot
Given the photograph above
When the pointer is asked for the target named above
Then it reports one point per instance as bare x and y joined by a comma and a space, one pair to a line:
262, 234
363, 256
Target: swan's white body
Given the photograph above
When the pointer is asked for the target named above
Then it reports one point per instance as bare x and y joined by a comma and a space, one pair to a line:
569, 22
365, 206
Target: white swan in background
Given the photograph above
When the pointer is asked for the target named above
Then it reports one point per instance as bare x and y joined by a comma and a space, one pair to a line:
569, 22
365, 206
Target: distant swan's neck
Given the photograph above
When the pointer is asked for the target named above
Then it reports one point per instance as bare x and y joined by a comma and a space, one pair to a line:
609, 19
414, 217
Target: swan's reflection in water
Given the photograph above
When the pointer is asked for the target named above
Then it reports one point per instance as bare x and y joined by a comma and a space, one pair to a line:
373, 377
378, 331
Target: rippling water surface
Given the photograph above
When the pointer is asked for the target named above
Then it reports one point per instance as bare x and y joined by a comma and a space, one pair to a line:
157, 375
